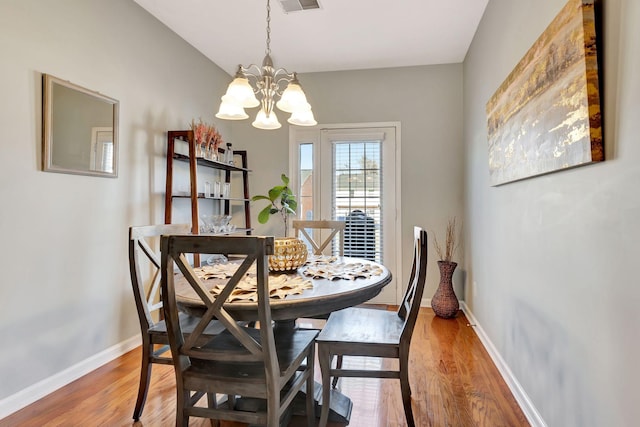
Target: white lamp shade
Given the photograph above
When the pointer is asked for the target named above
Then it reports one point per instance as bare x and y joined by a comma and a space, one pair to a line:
266, 122
231, 110
302, 118
240, 90
293, 99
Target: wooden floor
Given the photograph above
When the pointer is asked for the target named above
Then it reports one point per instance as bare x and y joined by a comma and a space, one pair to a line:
454, 383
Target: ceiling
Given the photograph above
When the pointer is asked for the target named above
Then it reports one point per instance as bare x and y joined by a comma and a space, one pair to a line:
340, 35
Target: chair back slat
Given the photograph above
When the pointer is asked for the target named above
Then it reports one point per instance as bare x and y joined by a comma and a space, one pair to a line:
408, 309
153, 290
150, 253
143, 257
246, 347
156, 306
335, 227
190, 275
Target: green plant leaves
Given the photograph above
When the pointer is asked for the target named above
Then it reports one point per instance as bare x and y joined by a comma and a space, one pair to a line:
275, 192
292, 205
264, 215
282, 195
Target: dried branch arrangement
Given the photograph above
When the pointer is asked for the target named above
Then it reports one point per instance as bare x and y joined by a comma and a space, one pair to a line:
452, 242
206, 135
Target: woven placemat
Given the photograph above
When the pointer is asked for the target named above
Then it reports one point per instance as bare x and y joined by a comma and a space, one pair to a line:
280, 285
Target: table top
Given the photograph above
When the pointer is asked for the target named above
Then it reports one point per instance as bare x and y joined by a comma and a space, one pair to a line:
324, 297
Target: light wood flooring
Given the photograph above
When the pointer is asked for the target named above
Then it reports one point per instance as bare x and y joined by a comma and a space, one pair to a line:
453, 379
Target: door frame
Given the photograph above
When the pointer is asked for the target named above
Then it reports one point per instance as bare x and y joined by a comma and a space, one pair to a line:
397, 281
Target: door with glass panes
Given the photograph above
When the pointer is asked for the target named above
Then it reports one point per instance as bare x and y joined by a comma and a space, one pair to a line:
349, 174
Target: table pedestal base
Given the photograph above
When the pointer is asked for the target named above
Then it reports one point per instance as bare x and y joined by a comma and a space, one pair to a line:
339, 413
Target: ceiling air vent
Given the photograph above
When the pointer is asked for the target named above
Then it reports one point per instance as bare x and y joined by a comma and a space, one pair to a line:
298, 5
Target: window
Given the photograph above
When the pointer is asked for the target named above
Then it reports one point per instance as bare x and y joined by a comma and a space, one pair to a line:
356, 196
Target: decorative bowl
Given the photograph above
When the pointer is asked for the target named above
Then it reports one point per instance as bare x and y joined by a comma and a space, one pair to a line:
289, 253
216, 223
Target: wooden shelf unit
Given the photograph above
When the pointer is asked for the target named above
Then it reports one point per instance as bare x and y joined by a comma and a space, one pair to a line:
195, 162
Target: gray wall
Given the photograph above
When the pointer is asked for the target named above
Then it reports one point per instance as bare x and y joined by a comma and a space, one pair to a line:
550, 259
428, 103
65, 291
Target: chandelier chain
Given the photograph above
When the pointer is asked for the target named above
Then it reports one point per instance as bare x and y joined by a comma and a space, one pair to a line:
268, 50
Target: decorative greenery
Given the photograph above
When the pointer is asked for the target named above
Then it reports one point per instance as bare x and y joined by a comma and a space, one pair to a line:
282, 201
452, 241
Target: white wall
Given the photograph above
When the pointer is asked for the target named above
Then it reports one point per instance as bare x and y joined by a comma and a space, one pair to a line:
65, 292
551, 259
428, 103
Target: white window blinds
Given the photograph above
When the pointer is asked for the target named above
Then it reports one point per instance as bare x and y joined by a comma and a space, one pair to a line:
357, 192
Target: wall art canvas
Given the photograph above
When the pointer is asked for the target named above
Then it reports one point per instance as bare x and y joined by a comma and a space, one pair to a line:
546, 116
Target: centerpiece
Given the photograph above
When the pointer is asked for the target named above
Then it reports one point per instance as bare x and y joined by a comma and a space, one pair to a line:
289, 252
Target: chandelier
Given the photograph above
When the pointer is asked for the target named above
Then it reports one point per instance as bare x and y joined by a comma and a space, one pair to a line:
269, 84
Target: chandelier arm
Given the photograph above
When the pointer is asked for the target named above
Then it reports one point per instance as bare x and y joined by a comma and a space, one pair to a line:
282, 74
252, 70
281, 78
283, 71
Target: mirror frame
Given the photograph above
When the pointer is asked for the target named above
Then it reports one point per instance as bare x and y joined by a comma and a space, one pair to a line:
48, 81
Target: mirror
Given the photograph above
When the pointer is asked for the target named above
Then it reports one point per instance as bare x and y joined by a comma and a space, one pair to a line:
79, 130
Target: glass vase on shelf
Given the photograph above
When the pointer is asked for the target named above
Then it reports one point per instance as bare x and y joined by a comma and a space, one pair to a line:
200, 150
228, 154
212, 153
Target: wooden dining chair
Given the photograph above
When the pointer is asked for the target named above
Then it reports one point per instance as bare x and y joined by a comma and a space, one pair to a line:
144, 261
271, 364
375, 333
334, 227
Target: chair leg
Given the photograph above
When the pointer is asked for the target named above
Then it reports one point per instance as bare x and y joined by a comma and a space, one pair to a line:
182, 419
324, 357
405, 388
212, 403
145, 375
273, 406
334, 383
311, 402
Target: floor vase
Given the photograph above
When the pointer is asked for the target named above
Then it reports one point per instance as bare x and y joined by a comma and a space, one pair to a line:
444, 302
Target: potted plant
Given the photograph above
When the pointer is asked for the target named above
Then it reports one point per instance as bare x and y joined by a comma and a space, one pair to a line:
289, 252
444, 302
281, 201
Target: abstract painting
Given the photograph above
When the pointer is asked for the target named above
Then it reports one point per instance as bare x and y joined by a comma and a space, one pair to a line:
546, 115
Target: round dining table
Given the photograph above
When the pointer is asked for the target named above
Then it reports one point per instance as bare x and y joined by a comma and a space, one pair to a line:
322, 298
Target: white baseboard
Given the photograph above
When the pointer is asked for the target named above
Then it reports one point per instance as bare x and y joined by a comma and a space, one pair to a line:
525, 403
37, 391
